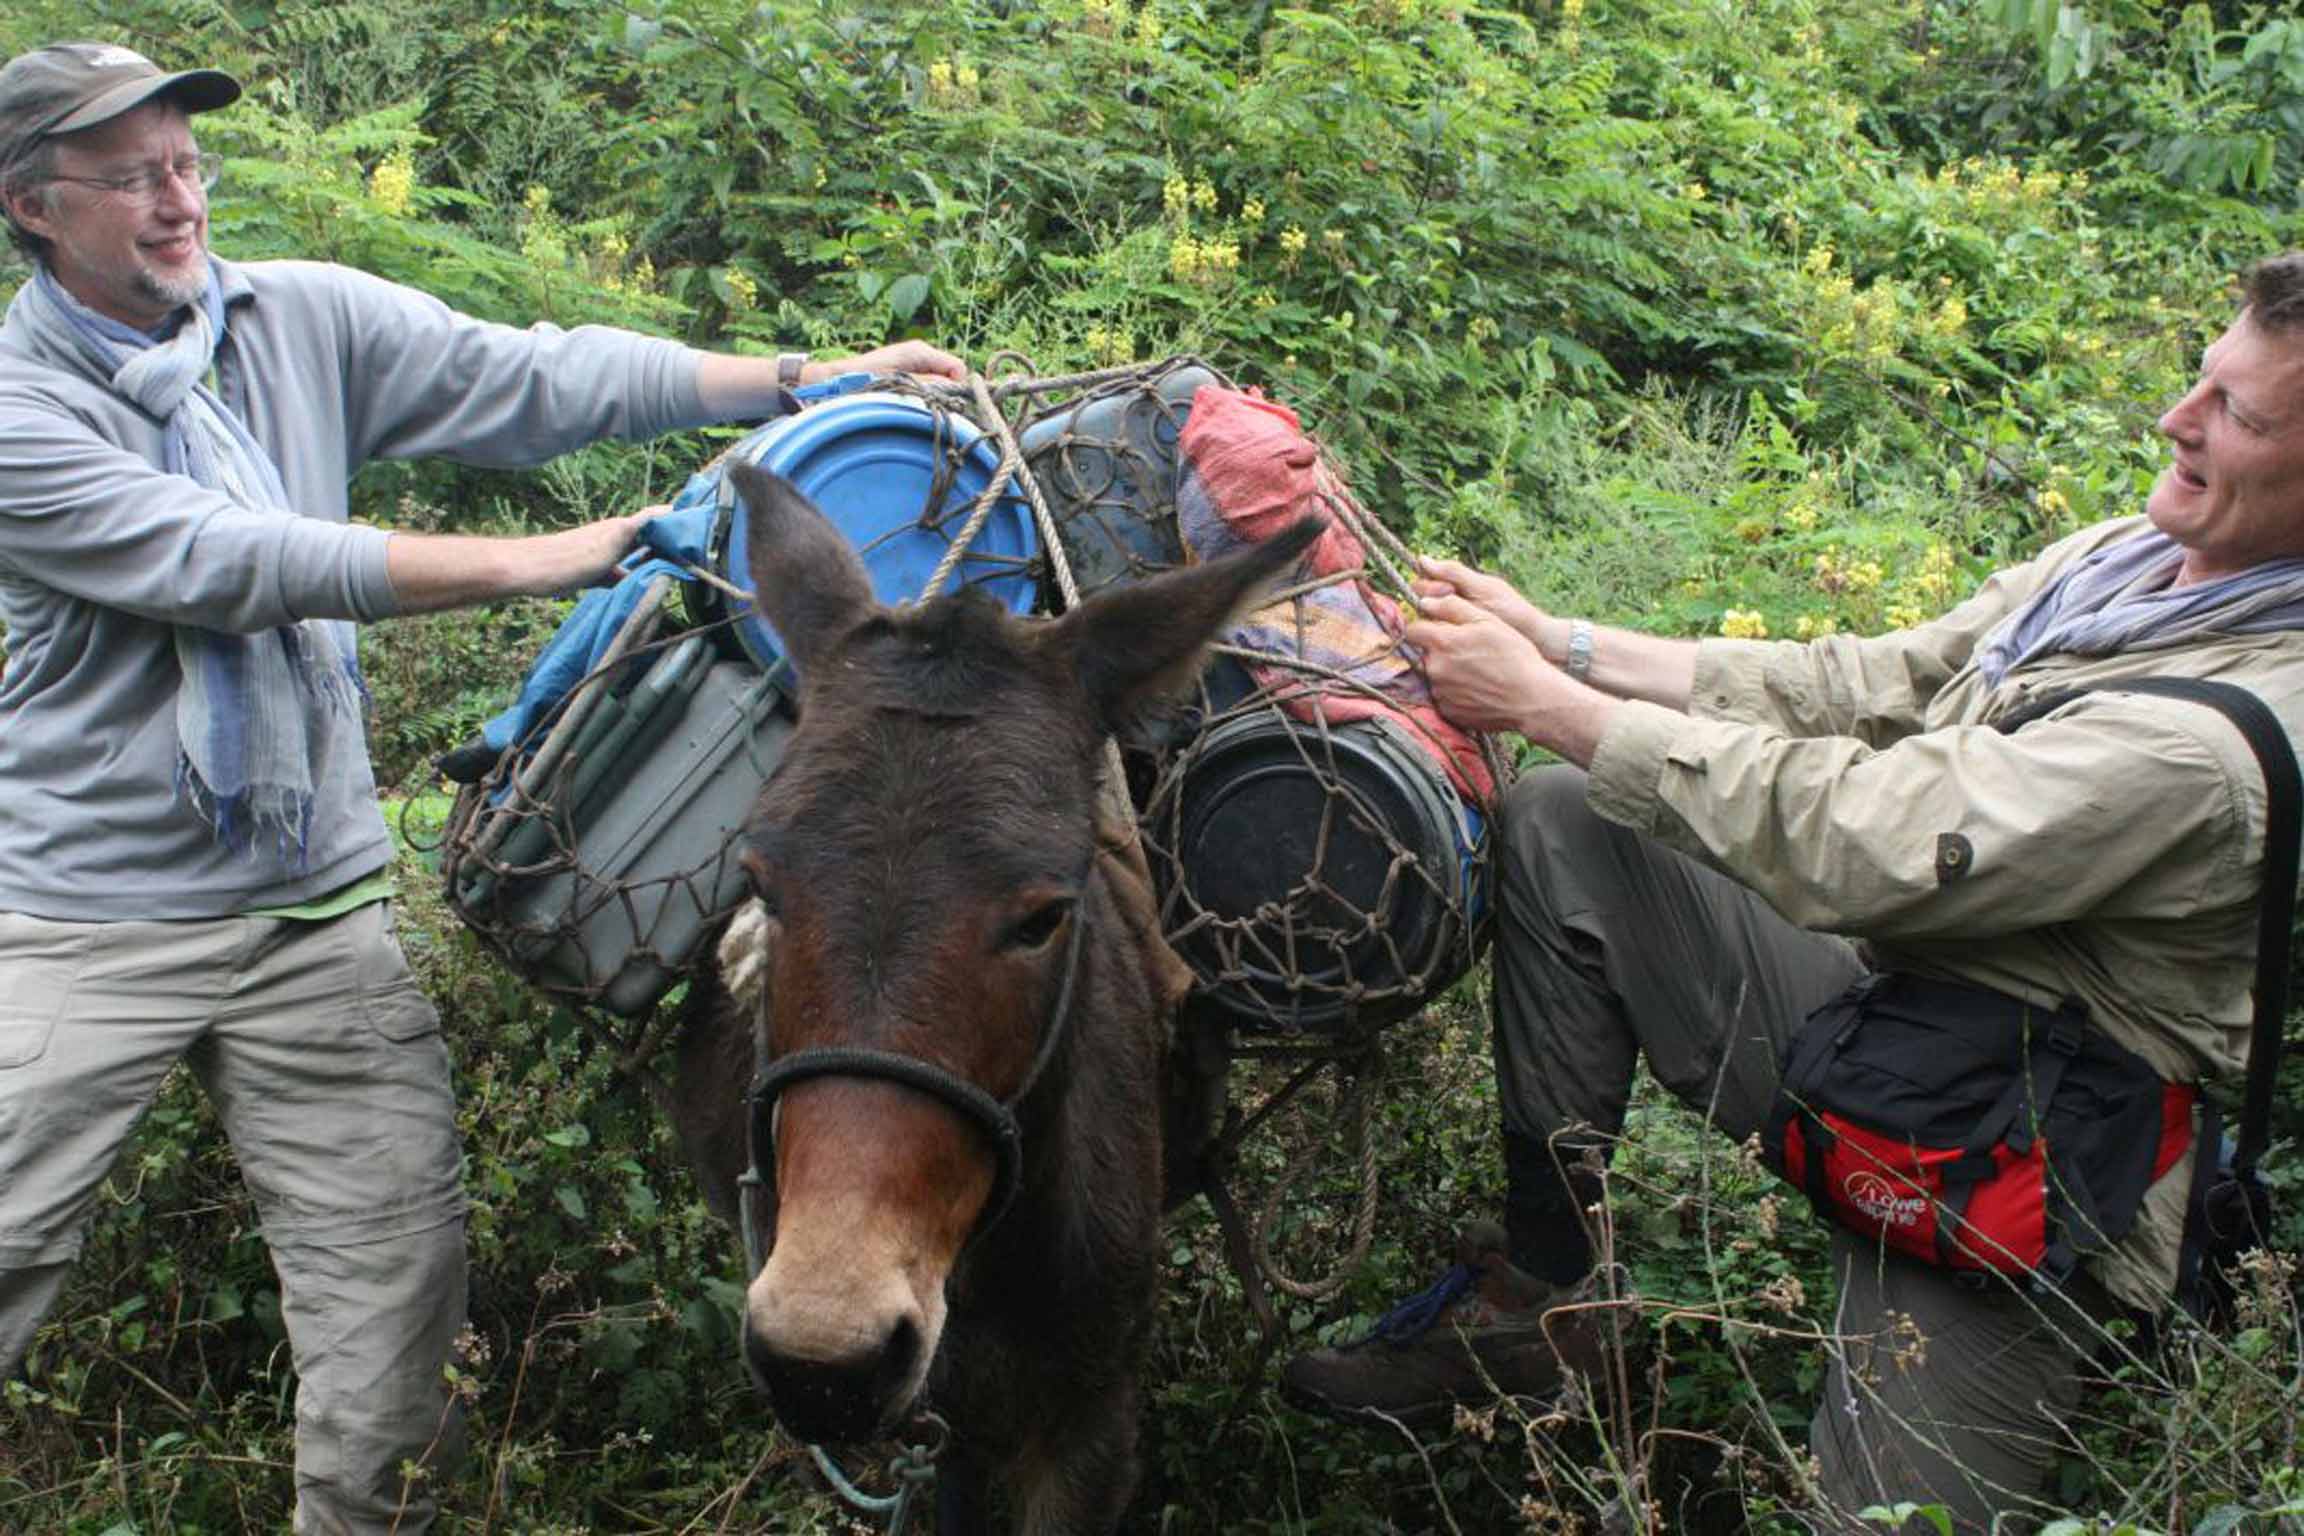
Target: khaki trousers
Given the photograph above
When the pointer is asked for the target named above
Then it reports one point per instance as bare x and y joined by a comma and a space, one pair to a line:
1611, 947
325, 1064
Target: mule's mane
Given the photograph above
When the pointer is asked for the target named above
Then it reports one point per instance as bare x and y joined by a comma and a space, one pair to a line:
939, 731
955, 658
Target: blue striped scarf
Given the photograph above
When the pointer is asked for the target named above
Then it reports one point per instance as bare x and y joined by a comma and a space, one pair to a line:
2119, 599
257, 714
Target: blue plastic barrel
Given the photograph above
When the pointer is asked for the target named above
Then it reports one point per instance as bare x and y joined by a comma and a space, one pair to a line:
899, 479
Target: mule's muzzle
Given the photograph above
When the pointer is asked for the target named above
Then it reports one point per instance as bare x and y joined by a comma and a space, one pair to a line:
860, 1397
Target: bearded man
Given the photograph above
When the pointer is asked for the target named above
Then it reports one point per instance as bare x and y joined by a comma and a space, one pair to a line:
192, 863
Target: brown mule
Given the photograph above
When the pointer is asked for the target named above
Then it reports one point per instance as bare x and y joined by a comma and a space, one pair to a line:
964, 1005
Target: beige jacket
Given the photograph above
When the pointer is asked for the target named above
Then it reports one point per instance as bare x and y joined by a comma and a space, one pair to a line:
2110, 852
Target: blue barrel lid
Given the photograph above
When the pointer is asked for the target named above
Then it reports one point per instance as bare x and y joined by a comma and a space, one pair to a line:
871, 461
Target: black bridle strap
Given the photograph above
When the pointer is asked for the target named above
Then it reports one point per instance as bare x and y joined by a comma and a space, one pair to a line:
994, 1117
996, 1120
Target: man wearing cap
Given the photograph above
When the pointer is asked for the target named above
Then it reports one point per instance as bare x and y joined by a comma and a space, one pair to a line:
192, 862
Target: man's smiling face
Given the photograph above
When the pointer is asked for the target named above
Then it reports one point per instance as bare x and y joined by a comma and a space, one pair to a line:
132, 257
2233, 493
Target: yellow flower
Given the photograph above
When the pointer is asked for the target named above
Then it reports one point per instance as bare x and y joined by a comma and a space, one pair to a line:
1204, 196
1695, 192
1292, 241
1175, 197
1570, 10
393, 183
1743, 624
743, 293
2052, 502
1812, 626
1252, 212
1111, 347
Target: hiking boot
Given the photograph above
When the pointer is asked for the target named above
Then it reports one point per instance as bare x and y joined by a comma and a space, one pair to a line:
1476, 1335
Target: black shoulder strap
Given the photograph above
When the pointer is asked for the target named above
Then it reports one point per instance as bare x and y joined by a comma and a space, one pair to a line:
2277, 914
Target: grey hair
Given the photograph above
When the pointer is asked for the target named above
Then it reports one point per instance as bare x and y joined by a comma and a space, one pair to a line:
33, 168
2275, 293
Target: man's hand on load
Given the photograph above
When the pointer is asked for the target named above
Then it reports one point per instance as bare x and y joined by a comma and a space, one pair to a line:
733, 387
1488, 676
926, 364
434, 571
588, 556
1436, 577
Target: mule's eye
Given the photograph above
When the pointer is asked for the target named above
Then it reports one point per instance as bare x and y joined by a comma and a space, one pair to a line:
1040, 924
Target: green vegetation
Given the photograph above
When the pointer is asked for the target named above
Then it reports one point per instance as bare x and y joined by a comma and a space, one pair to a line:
1764, 317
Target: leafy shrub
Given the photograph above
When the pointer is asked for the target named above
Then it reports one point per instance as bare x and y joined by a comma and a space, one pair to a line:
1763, 318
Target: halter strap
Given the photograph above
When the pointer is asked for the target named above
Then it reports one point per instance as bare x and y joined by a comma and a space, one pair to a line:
996, 1118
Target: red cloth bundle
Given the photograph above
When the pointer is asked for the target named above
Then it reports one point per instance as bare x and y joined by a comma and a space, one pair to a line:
1250, 471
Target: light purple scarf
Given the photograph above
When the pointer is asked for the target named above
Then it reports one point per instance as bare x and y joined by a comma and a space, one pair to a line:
2118, 599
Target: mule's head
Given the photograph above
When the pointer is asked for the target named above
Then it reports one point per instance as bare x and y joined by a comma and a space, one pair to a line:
922, 852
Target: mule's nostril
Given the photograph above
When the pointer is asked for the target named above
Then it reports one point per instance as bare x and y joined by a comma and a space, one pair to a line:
845, 1399
897, 1356
760, 1357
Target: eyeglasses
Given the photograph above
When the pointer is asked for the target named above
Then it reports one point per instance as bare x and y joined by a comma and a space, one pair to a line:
145, 185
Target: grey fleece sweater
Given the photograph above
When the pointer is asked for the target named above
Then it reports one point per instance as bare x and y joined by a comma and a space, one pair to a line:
101, 553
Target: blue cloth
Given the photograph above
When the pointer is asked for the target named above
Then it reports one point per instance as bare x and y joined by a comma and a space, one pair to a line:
682, 537
679, 539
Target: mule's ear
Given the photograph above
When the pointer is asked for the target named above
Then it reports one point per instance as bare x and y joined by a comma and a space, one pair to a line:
1134, 644
807, 579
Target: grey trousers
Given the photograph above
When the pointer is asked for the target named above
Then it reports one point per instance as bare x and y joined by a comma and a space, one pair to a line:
1610, 947
325, 1064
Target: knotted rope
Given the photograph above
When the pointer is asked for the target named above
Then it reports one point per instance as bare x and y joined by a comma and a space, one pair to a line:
913, 1468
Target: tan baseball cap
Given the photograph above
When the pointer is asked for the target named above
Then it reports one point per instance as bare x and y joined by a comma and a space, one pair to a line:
66, 87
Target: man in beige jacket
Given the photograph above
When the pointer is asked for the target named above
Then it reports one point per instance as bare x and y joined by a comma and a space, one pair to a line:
1742, 828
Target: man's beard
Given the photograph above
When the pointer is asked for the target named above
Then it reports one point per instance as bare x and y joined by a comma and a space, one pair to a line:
173, 292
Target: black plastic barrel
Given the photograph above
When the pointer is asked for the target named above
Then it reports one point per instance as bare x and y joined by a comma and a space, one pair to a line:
1108, 464
1318, 878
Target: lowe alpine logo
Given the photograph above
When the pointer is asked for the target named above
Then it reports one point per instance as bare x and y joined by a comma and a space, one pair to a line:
1881, 1200
108, 56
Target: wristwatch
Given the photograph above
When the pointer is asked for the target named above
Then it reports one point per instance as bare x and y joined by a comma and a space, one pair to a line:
1578, 662
788, 366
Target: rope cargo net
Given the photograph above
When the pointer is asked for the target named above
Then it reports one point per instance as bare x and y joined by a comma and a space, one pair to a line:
534, 868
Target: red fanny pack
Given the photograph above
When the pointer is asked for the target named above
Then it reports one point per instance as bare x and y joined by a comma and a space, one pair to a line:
1972, 1130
